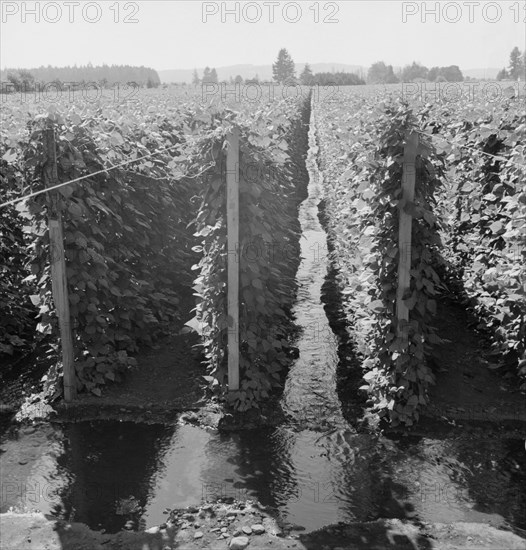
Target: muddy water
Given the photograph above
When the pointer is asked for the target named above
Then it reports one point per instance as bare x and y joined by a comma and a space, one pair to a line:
310, 397
315, 470
108, 473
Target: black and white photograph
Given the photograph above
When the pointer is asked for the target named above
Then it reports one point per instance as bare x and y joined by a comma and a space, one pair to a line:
262, 275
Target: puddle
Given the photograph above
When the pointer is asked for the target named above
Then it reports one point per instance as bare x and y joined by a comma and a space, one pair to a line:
106, 473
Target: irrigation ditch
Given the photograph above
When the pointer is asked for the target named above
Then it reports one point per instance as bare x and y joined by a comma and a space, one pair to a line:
149, 467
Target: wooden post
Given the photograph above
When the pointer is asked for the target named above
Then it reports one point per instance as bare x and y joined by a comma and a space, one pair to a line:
404, 233
232, 205
58, 270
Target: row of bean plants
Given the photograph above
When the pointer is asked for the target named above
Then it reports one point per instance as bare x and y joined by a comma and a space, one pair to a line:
133, 233
361, 149
273, 181
485, 211
128, 253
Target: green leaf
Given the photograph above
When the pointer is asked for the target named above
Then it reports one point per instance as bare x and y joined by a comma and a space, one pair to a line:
496, 227
432, 306
377, 306
10, 156
412, 401
116, 138
75, 210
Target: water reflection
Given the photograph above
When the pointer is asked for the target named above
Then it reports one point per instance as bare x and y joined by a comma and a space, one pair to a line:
28, 463
110, 470
497, 479
461, 480
107, 473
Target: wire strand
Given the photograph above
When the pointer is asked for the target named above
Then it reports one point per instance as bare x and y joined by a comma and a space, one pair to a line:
130, 161
504, 159
104, 171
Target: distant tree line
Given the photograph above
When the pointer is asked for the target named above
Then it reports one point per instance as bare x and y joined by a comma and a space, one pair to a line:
284, 72
380, 73
209, 77
340, 78
516, 68
104, 75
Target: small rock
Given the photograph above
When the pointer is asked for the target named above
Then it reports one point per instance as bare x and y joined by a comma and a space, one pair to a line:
153, 530
198, 535
258, 529
239, 543
192, 509
215, 530
189, 517
247, 530
237, 532
224, 529
225, 535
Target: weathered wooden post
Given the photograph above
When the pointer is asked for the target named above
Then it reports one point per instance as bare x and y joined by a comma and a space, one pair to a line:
232, 205
405, 226
58, 269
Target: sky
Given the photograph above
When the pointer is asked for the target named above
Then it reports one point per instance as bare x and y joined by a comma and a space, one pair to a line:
179, 34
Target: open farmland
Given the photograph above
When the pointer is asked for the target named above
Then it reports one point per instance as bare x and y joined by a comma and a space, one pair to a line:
252, 303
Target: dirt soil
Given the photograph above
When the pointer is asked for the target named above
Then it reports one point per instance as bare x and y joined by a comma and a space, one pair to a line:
167, 381
234, 526
470, 386
470, 398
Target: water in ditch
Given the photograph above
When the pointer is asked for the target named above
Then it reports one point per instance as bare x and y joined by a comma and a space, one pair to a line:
105, 474
316, 470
